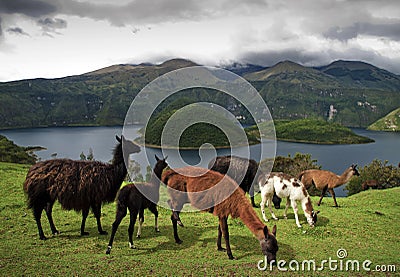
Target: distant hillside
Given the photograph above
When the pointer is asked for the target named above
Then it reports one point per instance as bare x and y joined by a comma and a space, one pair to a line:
314, 131
356, 93
390, 122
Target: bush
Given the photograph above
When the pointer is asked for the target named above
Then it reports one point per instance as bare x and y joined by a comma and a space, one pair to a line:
387, 176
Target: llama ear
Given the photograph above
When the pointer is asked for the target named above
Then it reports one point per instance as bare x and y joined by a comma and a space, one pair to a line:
157, 158
118, 138
274, 230
265, 230
165, 158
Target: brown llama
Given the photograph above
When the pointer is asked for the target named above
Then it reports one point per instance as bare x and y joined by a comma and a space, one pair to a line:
213, 192
77, 185
235, 167
326, 180
373, 184
138, 197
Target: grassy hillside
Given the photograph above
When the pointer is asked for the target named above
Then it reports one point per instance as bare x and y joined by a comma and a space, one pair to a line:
366, 226
390, 122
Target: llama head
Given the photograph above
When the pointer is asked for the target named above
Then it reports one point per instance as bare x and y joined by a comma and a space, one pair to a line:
269, 245
161, 164
128, 146
312, 219
354, 170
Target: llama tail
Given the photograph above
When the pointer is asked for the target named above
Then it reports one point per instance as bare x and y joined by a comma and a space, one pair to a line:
123, 198
300, 175
167, 175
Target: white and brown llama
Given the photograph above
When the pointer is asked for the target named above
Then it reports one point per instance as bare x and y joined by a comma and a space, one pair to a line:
326, 180
290, 188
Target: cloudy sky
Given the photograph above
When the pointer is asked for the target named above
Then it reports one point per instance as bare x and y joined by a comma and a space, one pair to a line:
56, 38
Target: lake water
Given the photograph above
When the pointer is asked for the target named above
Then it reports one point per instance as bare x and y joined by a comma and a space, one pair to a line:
69, 142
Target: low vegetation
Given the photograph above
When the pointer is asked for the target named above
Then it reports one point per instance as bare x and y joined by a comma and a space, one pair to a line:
365, 226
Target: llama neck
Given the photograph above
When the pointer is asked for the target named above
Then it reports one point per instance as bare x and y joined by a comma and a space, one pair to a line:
252, 221
344, 178
119, 165
307, 206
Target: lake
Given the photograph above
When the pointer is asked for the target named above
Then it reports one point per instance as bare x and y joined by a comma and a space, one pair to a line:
70, 142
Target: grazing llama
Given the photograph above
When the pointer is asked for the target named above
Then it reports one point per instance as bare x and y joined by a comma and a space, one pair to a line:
212, 192
237, 166
290, 188
135, 197
77, 185
325, 180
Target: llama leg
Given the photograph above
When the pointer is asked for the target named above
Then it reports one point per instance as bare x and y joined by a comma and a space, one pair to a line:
270, 207
286, 207
121, 213
133, 216
262, 205
85, 213
322, 195
153, 209
332, 192
223, 222
141, 220
220, 248
251, 192
175, 227
97, 214
49, 209
176, 208
37, 213
295, 210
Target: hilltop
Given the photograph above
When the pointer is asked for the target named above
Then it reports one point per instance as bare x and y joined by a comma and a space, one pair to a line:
357, 93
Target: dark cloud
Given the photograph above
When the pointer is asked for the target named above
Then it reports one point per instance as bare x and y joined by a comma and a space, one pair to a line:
388, 30
31, 8
17, 31
51, 24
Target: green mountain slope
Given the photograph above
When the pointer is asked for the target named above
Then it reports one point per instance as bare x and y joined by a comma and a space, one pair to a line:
390, 122
359, 94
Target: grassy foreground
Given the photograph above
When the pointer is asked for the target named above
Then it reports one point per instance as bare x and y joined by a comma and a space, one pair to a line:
366, 226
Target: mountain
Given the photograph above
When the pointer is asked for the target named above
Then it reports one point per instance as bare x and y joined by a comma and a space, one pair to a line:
352, 93
362, 75
390, 122
293, 91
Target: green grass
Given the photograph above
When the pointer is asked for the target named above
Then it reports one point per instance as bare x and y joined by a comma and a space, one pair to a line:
390, 122
366, 225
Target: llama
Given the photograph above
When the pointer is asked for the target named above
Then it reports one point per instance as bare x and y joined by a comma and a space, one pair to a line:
135, 197
373, 184
77, 185
290, 188
221, 164
326, 180
213, 192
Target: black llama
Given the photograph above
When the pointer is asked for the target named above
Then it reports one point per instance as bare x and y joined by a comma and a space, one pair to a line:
138, 197
221, 164
77, 185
